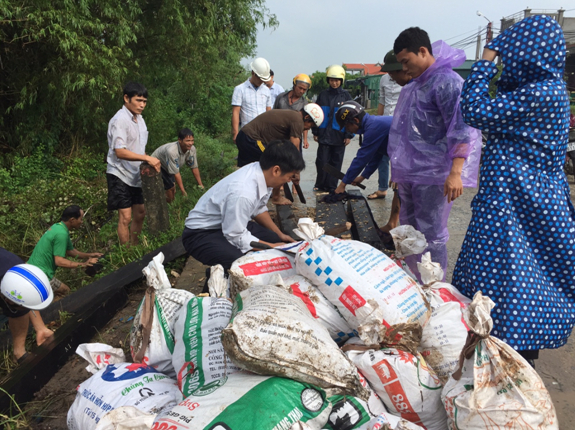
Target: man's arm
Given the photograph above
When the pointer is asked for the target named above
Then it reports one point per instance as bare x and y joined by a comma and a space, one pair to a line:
235, 121
66, 263
380, 109
125, 154
305, 142
453, 187
264, 219
180, 183
81, 255
196, 172
295, 141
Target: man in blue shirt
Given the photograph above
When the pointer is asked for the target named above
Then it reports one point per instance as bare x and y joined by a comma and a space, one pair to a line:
375, 131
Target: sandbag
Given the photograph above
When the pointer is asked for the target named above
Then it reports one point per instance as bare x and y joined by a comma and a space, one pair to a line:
126, 418
259, 268
100, 355
273, 333
152, 333
371, 292
121, 385
387, 421
252, 402
320, 308
404, 382
351, 412
495, 388
199, 359
445, 332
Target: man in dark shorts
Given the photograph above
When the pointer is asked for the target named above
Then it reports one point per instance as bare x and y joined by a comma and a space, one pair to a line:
19, 316
277, 124
127, 139
219, 229
172, 156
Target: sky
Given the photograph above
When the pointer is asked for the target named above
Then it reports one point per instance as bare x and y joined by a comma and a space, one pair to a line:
314, 34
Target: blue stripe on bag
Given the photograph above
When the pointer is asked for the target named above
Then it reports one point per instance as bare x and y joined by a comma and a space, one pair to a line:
32, 279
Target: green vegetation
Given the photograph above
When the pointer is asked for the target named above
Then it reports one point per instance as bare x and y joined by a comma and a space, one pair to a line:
62, 68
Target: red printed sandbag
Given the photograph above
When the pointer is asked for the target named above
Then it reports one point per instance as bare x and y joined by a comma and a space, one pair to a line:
404, 382
260, 268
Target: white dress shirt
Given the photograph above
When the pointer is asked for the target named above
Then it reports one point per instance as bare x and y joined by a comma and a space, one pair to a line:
231, 204
129, 131
388, 94
251, 100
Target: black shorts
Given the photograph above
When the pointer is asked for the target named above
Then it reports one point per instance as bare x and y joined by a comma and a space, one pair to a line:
249, 150
121, 195
12, 310
168, 179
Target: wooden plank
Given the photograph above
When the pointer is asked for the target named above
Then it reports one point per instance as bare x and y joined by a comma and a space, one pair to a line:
330, 215
364, 228
286, 219
86, 296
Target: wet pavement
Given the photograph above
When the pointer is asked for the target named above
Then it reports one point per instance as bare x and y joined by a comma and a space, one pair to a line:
556, 367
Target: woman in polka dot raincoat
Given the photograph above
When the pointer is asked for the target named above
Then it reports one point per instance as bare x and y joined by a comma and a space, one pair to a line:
520, 245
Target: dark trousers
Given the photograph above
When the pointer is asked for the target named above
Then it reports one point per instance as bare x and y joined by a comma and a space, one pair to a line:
332, 155
210, 247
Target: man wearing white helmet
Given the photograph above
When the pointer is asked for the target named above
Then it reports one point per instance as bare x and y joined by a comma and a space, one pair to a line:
251, 98
283, 124
24, 288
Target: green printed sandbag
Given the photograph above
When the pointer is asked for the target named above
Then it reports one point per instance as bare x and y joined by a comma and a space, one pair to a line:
199, 359
251, 402
353, 413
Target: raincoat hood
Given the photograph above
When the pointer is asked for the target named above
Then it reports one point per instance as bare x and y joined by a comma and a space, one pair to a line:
532, 50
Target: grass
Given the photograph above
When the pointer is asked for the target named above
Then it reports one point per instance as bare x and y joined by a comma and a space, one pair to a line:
16, 420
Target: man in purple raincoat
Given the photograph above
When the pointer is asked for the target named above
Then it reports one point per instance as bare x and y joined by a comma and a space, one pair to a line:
433, 153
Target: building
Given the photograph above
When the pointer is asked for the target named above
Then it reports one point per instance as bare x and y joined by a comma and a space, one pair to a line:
361, 69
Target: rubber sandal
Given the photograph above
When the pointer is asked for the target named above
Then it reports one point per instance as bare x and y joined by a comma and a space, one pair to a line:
376, 195
22, 358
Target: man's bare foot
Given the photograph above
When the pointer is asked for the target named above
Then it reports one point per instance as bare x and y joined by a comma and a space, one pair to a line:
281, 201
43, 335
62, 291
388, 227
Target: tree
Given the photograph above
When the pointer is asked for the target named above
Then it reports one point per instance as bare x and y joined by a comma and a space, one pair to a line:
63, 64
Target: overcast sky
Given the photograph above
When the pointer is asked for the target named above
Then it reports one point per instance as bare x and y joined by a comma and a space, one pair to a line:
315, 34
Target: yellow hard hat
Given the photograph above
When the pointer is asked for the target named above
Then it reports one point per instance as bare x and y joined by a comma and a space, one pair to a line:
302, 77
335, 71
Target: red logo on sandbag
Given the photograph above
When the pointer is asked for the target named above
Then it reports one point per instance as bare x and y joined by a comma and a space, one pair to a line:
351, 299
266, 266
304, 296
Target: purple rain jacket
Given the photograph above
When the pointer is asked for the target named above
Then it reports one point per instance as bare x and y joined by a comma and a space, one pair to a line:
428, 130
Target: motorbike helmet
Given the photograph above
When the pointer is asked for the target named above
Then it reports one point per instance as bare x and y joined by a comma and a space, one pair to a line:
302, 77
348, 111
27, 285
335, 71
261, 68
315, 112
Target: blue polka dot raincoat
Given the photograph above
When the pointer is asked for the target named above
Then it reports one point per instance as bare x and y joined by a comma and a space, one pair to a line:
520, 245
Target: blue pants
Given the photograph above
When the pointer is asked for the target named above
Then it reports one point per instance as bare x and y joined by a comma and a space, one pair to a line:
383, 169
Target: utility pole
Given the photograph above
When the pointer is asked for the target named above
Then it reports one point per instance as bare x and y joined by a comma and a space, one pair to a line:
478, 50
489, 36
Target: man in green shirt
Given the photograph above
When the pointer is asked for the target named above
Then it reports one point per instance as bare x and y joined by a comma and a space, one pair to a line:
55, 245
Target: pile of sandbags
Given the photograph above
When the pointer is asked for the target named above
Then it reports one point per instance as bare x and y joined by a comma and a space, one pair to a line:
337, 336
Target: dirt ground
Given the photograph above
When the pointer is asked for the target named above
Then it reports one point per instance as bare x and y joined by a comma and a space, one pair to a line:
50, 405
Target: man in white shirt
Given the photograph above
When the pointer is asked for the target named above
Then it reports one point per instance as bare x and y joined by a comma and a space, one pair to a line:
172, 156
251, 98
127, 139
220, 229
390, 86
275, 88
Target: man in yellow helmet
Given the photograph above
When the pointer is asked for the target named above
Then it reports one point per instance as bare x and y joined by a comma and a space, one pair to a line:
331, 139
294, 99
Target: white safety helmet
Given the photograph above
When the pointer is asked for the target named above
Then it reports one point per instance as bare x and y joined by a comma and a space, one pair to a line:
28, 286
315, 112
261, 68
